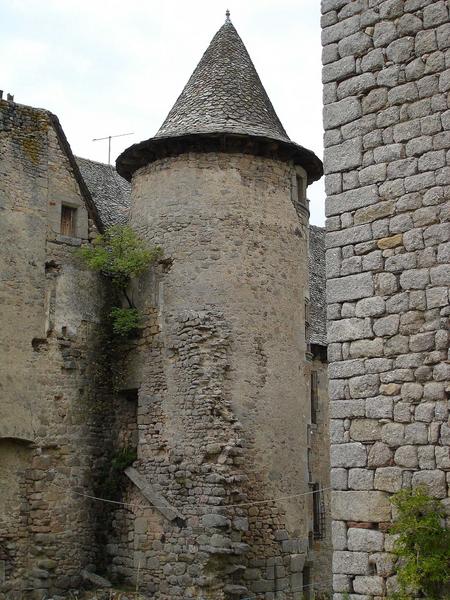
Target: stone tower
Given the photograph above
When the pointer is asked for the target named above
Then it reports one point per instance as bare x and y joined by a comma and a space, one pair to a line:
222, 374
387, 120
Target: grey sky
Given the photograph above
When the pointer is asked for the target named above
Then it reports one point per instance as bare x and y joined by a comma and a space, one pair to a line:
107, 66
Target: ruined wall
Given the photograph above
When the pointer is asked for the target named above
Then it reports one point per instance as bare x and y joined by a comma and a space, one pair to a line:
223, 403
386, 88
49, 428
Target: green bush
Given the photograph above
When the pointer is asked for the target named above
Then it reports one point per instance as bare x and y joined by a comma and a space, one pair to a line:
120, 255
422, 545
125, 320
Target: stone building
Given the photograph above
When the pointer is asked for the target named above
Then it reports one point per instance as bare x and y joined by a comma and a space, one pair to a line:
386, 92
222, 395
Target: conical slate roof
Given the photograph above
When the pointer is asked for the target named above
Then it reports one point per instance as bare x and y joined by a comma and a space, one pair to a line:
223, 107
224, 94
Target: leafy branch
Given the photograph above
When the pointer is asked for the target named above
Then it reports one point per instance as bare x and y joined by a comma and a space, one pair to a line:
120, 255
422, 545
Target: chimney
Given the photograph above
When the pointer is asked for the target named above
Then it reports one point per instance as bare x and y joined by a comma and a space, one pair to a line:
10, 97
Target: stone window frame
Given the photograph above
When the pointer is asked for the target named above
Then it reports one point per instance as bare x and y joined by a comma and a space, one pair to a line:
299, 186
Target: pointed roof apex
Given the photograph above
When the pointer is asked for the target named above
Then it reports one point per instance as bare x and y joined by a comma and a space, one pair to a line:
224, 94
224, 99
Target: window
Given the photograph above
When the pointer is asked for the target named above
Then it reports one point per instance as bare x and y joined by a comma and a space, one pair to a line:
307, 585
318, 512
314, 396
301, 195
68, 221
307, 327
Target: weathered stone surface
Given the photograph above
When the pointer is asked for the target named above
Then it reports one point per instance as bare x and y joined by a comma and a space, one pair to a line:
365, 540
348, 455
363, 430
433, 481
373, 585
406, 456
349, 329
404, 128
352, 287
364, 386
351, 200
350, 562
388, 479
365, 506
360, 479
338, 113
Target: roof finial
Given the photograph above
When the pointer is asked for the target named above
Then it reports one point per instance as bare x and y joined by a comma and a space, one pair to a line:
227, 14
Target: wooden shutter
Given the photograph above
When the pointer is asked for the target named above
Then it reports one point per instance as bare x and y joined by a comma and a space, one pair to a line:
68, 220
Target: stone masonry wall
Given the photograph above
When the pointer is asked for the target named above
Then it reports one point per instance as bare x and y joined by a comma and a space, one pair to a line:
223, 402
50, 412
386, 76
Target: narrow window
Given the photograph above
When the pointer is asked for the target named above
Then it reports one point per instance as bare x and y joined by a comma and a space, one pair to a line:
300, 190
307, 585
318, 513
307, 327
68, 215
314, 396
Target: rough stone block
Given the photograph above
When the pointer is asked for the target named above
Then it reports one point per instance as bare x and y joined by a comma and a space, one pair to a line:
339, 113
379, 407
388, 479
406, 456
366, 348
349, 329
393, 434
366, 506
346, 155
365, 540
351, 563
347, 409
365, 430
433, 481
348, 455
348, 288
339, 535
370, 586
351, 199
364, 386
338, 70
360, 479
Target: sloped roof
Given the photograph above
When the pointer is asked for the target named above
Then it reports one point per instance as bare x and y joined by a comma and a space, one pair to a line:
109, 191
223, 107
224, 94
317, 286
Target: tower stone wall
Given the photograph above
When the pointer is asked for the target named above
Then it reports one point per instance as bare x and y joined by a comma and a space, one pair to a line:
386, 114
223, 404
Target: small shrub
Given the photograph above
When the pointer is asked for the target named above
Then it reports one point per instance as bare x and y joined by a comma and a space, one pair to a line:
119, 254
125, 321
422, 546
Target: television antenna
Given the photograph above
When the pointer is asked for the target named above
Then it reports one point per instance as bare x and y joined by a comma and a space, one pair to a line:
109, 137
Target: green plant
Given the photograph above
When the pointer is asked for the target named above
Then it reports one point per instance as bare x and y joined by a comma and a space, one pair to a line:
125, 320
422, 545
112, 479
120, 255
